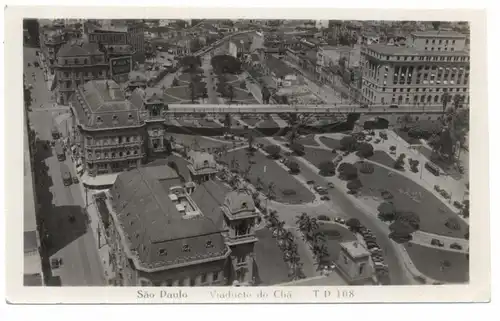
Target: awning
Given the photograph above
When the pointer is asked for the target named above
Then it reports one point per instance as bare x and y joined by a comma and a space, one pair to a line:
99, 180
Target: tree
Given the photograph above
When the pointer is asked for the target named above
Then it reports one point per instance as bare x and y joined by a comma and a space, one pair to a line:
266, 95
271, 194
225, 64
259, 184
436, 25
400, 232
414, 164
326, 168
386, 212
297, 148
273, 217
399, 163
348, 143
365, 150
27, 97
287, 240
296, 272
294, 167
409, 218
354, 224
190, 64
354, 186
273, 151
318, 237
347, 171
320, 250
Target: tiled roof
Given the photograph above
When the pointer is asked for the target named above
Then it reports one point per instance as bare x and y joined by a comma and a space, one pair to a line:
209, 196
102, 104
76, 50
155, 230
239, 201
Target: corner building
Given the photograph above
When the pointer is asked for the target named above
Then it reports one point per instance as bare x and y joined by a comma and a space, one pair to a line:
109, 131
431, 64
163, 232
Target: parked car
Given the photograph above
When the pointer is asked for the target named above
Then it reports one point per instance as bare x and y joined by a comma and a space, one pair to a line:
458, 205
375, 250
456, 246
437, 242
325, 198
321, 190
310, 182
339, 220
437, 188
393, 106
330, 185
36, 64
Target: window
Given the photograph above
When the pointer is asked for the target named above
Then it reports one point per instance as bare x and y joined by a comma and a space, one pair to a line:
209, 244
427, 42
163, 252
215, 276
186, 248
394, 89
203, 278
192, 281
440, 41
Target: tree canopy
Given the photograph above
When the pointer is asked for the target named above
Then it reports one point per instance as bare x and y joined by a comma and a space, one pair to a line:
273, 150
365, 150
293, 166
297, 148
348, 171
226, 64
327, 168
354, 185
348, 143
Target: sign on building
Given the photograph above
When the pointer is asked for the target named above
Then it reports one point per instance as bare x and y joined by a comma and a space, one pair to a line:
120, 66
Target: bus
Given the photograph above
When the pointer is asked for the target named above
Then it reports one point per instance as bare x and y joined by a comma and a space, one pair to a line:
66, 175
431, 167
58, 147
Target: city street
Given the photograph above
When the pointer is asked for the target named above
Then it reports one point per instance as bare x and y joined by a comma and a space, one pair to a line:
68, 240
213, 98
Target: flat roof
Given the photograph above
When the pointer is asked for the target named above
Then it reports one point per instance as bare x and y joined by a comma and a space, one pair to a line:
438, 34
355, 249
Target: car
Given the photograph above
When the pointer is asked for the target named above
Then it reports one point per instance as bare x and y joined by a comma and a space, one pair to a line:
456, 246
310, 182
458, 205
437, 242
75, 180
375, 250
393, 106
371, 245
364, 106
437, 188
325, 198
330, 185
36, 64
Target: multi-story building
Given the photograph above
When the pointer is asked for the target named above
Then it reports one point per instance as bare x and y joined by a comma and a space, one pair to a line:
432, 65
163, 231
32, 271
109, 131
77, 63
116, 32
51, 40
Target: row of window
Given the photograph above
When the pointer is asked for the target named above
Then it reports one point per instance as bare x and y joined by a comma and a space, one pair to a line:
416, 98
421, 57
82, 74
204, 278
107, 155
102, 141
84, 61
440, 41
113, 165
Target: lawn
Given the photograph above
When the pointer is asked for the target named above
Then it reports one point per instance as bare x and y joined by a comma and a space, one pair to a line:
181, 92
429, 261
307, 140
250, 121
240, 94
432, 212
404, 135
382, 157
269, 171
191, 140
271, 268
268, 123
318, 155
330, 142
335, 234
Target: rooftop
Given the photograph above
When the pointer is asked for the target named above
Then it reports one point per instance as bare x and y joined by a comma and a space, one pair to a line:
152, 225
438, 34
102, 104
355, 249
76, 49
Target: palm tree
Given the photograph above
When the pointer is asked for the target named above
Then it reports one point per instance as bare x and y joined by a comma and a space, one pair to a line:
251, 139
321, 252
234, 182
259, 183
318, 238
273, 217
192, 91
246, 172
271, 194
296, 272
303, 221
278, 229
287, 241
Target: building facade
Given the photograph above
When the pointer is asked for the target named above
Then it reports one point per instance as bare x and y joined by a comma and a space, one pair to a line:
175, 240
51, 40
110, 131
354, 262
421, 73
114, 33
76, 64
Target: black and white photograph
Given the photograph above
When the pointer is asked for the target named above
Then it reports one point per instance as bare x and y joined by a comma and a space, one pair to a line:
246, 153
